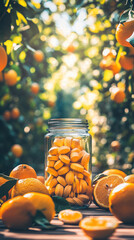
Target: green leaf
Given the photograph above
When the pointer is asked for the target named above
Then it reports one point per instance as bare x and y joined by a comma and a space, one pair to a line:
126, 15
98, 176
7, 177
31, 31
4, 188
60, 203
5, 26
41, 222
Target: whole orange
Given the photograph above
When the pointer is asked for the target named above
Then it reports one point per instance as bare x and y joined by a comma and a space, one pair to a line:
43, 203
10, 77
15, 113
115, 171
7, 115
121, 202
23, 171
38, 56
17, 213
17, 150
41, 178
28, 185
35, 88
3, 58
124, 31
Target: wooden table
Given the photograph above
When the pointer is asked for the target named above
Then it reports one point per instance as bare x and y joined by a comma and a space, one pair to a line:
66, 232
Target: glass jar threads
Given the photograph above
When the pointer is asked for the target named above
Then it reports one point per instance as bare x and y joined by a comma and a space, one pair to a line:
68, 154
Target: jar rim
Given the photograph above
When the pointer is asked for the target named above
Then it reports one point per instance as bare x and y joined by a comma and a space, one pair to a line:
67, 122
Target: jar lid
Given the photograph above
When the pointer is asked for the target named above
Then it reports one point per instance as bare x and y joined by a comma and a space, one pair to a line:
67, 122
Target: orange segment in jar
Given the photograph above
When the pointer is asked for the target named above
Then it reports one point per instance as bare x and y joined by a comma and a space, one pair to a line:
71, 194
64, 158
52, 158
59, 142
75, 143
59, 190
83, 186
75, 157
67, 190
86, 173
53, 151
58, 165
67, 141
75, 150
53, 183
50, 163
63, 170
78, 175
77, 167
70, 200
48, 180
52, 171
61, 180
69, 177
78, 201
83, 197
64, 150
76, 185
85, 160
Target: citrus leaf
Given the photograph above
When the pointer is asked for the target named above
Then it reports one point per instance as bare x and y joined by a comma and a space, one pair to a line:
126, 15
98, 176
41, 222
60, 203
7, 177
4, 188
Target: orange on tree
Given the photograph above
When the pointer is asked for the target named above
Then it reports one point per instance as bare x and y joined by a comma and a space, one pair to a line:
10, 77
15, 113
38, 56
124, 31
108, 52
27, 185
108, 63
43, 203
121, 202
115, 145
7, 115
35, 88
126, 62
3, 58
23, 171
71, 48
103, 188
115, 171
129, 178
18, 213
118, 95
17, 150
99, 227
70, 216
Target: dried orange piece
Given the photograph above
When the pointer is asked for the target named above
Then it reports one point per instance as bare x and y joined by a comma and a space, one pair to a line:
52, 158
69, 177
59, 142
63, 170
75, 143
67, 190
70, 200
51, 190
75, 157
85, 160
51, 171
79, 175
48, 180
53, 182
67, 141
64, 150
64, 158
75, 150
100, 227
58, 165
78, 201
83, 197
77, 167
53, 151
103, 188
59, 190
50, 163
69, 216
61, 180
83, 186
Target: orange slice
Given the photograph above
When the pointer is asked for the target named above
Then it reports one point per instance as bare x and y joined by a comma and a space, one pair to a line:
99, 227
77, 167
61, 180
64, 158
59, 190
51, 171
63, 170
53, 151
52, 158
58, 165
69, 216
103, 188
69, 177
59, 142
64, 150
115, 171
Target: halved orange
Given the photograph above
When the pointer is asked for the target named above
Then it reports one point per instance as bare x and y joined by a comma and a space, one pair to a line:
70, 216
99, 227
103, 187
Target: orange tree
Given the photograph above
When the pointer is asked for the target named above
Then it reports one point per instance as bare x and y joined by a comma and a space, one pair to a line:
69, 40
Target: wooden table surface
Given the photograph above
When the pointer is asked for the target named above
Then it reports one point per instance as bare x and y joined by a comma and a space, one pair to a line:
66, 232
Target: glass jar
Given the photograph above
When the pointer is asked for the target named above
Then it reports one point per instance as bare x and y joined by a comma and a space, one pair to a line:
68, 155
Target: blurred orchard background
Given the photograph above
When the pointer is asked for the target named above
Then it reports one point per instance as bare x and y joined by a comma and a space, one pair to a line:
64, 61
